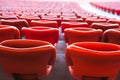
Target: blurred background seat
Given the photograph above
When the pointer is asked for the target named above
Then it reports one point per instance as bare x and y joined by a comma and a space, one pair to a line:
17, 23
104, 26
8, 32
65, 25
42, 33
73, 35
111, 36
46, 23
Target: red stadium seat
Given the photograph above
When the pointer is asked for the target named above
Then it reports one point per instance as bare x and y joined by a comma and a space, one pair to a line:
85, 17
93, 20
117, 10
93, 60
8, 17
73, 35
27, 59
72, 19
111, 7
104, 26
8, 32
29, 18
17, 23
44, 23
41, 33
68, 15
114, 21
58, 20
111, 36
65, 25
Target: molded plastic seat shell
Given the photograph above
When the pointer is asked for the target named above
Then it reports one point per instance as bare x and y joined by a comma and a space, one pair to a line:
42, 33
104, 26
111, 36
27, 59
73, 24
17, 23
8, 32
93, 60
44, 23
73, 35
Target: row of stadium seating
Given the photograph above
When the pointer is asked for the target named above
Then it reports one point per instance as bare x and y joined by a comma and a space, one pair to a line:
30, 31
111, 7
49, 34
34, 59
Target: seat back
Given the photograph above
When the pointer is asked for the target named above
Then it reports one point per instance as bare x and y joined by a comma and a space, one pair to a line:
46, 23
8, 32
73, 24
41, 33
104, 26
111, 36
82, 35
27, 57
17, 23
93, 60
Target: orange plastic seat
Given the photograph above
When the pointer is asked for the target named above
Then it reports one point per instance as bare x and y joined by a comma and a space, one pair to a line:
17, 23
44, 23
87, 17
8, 17
114, 21
104, 26
29, 18
73, 24
67, 19
93, 60
27, 59
68, 15
41, 33
57, 19
93, 20
8, 32
73, 35
111, 36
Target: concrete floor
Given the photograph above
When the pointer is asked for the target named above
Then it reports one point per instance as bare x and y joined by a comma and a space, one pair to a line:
60, 70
